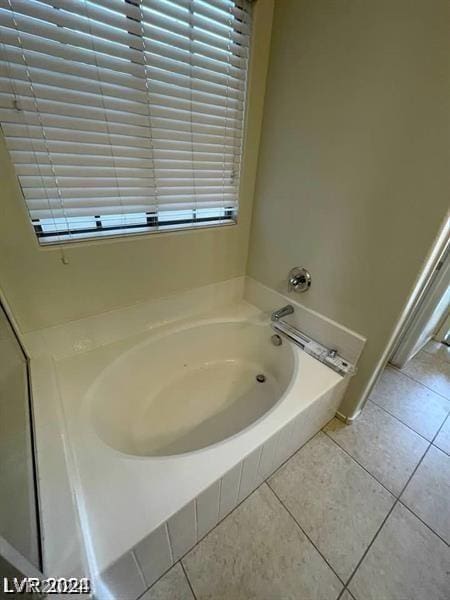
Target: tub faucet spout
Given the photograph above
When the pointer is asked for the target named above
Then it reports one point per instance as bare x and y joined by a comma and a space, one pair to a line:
282, 312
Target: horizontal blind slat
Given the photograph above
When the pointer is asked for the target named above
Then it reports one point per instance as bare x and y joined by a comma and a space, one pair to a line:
216, 9
47, 92
170, 195
162, 55
157, 70
134, 208
65, 36
110, 41
164, 160
40, 13
88, 137
112, 191
176, 89
167, 118
115, 13
216, 42
26, 119
124, 108
178, 169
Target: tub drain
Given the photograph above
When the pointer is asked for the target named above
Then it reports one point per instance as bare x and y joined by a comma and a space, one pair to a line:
260, 378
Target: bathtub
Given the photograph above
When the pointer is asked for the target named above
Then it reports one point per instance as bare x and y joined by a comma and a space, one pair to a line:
189, 389
169, 429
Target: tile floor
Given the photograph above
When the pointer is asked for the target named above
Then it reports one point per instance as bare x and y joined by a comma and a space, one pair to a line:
360, 512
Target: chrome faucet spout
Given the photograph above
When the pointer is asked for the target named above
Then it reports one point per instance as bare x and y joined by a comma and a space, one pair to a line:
282, 312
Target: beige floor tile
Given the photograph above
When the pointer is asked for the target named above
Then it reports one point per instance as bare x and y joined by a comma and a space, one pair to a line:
381, 444
335, 501
258, 552
411, 402
172, 586
442, 440
432, 372
407, 561
442, 351
428, 492
346, 596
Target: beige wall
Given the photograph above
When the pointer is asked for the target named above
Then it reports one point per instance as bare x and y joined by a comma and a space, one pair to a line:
353, 175
100, 276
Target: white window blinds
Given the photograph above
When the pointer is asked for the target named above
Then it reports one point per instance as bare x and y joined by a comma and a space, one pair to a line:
124, 115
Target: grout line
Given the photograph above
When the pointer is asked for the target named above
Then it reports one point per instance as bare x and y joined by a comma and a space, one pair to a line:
361, 465
202, 538
258, 466
166, 527
345, 589
358, 564
422, 521
196, 518
240, 480
290, 432
403, 503
406, 425
417, 381
232, 511
439, 431
138, 566
276, 449
386, 518
294, 453
188, 580
447, 418
219, 498
439, 448
303, 531
403, 422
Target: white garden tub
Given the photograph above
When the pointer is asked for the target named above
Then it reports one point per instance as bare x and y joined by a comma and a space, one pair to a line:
189, 389
169, 430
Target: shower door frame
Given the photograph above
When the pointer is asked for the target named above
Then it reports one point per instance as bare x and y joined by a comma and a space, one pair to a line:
17, 562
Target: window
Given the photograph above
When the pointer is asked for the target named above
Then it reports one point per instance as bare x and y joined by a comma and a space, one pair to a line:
124, 116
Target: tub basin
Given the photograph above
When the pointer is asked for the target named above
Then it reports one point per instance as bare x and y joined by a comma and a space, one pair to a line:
190, 389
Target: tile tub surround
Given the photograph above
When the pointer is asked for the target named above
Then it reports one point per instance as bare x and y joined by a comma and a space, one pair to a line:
156, 553
179, 480
55, 347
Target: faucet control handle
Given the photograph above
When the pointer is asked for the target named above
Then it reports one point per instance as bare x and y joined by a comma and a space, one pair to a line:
299, 279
